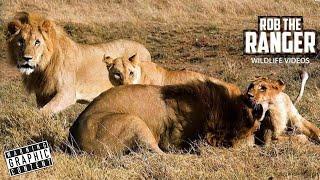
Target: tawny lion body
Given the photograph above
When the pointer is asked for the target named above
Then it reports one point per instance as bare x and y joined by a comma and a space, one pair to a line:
163, 117
124, 71
59, 70
282, 111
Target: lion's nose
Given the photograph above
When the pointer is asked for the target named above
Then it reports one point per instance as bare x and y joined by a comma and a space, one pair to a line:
27, 58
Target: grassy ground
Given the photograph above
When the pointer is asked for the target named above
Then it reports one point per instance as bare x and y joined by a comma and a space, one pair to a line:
204, 36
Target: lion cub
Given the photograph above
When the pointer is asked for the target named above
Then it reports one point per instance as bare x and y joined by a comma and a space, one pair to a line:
124, 71
282, 111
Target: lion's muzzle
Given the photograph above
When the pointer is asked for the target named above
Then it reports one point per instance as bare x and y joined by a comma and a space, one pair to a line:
26, 65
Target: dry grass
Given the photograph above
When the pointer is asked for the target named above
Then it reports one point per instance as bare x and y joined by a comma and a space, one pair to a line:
204, 36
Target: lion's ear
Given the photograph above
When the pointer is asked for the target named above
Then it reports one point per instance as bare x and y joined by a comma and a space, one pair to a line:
47, 26
13, 27
134, 59
23, 17
108, 60
280, 85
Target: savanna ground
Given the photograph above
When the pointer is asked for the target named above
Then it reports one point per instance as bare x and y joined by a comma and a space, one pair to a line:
204, 36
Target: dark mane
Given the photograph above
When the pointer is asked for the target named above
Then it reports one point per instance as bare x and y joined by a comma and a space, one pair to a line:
225, 118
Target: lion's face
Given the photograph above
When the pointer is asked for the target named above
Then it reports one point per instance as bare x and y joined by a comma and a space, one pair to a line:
28, 45
123, 71
29, 48
264, 90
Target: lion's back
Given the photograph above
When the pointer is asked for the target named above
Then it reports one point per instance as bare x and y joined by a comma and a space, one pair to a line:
141, 100
124, 47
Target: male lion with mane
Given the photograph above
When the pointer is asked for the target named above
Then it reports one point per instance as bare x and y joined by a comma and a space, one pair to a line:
59, 70
160, 117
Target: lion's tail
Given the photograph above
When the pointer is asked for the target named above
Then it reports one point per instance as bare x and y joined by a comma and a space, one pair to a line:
304, 77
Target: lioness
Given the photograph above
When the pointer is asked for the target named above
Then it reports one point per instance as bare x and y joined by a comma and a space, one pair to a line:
59, 70
165, 116
282, 111
124, 71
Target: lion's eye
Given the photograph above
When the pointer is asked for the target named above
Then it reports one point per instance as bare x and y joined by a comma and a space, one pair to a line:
131, 73
262, 88
37, 42
20, 42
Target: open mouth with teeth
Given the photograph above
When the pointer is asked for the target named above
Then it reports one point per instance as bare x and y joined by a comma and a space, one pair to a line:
252, 102
259, 108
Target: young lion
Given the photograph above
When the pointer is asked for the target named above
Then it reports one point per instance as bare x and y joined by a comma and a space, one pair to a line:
123, 71
161, 117
282, 111
57, 69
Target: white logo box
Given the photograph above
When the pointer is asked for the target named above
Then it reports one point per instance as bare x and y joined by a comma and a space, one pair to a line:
28, 158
